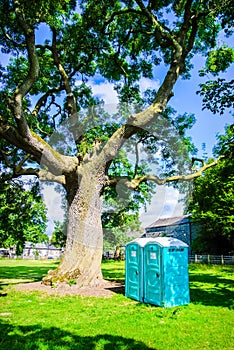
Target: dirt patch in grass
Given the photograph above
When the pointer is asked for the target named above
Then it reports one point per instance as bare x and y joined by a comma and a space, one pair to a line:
107, 289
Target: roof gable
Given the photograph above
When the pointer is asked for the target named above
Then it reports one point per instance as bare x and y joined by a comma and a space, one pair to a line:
178, 220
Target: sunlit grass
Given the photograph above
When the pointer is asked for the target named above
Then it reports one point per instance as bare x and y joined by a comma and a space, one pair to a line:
113, 270
31, 320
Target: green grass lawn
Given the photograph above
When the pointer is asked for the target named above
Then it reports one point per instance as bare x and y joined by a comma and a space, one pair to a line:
31, 320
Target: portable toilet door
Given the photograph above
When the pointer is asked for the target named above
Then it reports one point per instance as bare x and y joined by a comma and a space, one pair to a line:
166, 272
134, 273
152, 274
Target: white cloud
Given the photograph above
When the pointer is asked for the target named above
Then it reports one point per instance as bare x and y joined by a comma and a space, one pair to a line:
173, 204
53, 202
165, 203
105, 90
146, 83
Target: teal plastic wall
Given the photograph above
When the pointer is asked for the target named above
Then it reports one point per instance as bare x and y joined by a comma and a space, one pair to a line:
134, 271
157, 271
176, 280
152, 274
134, 268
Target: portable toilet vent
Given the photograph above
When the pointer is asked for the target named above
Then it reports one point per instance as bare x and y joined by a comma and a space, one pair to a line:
157, 271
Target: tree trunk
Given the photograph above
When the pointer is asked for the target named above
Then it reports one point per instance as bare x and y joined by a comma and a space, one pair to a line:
81, 260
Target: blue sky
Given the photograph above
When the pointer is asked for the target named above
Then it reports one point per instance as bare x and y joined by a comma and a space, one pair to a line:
207, 125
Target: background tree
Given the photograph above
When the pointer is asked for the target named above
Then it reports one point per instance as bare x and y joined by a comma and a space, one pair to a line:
22, 215
212, 204
120, 229
218, 94
58, 238
44, 87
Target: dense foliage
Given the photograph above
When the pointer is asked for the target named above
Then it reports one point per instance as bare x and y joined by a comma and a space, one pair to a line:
212, 204
22, 215
128, 42
218, 94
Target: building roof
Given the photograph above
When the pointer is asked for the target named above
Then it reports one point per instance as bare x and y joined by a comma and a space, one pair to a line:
154, 234
46, 246
169, 221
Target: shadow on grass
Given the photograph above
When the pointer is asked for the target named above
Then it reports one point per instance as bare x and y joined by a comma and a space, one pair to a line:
32, 273
118, 289
10, 275
2, 294
113, 271
37, 337
212, 290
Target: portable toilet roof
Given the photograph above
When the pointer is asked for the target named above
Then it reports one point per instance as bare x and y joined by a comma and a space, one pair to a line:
162, 241
168, 242
142, 241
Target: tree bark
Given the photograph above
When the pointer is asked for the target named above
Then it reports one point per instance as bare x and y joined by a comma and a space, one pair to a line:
81, 260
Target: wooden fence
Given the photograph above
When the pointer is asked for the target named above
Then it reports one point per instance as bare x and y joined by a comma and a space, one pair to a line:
212, 259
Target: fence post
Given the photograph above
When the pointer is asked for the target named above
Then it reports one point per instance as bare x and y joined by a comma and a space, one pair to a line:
208, 258
222, 260
195, 258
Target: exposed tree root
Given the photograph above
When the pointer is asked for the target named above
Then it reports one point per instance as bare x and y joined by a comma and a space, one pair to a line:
55, 277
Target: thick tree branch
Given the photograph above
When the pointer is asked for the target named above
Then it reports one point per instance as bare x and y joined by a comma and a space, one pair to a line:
71, 101
162, 33
47, 176
43, 153
43, 99
141, 120
119, 13
42, 175
23, 137
133, 184
186, 22
32, 75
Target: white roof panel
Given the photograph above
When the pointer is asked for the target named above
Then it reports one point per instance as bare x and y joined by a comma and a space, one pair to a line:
162, 241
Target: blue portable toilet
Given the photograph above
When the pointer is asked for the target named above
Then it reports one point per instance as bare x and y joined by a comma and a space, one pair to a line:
166, 281
157, 271
134, 269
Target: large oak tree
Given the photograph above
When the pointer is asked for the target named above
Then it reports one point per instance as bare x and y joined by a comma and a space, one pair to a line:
57, 46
